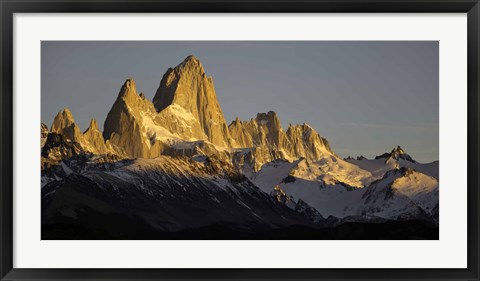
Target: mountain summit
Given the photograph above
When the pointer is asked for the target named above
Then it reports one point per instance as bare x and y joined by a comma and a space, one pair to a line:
65, 125
188, 87
124, 126
397, 154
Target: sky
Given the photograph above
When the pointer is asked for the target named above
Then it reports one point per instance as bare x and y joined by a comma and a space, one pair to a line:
364, 97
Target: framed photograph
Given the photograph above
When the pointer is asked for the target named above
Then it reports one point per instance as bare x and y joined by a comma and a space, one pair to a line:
165, 140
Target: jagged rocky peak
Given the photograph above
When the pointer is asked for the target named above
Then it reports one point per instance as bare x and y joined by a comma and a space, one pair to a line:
398, 150
135, 129
93, 140
128, 92
263, 131
307, 138
93, 126
236, 122
124, 125
271, 128
130, 84
64, 124
63, 119
135, 101
188, 87
266, 135
270, 119
308, 130
192, 63
129, 96
174, 86
44, 130
397, 154
243, 133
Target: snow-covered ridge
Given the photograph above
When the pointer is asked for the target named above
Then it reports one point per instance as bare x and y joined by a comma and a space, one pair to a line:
340, 190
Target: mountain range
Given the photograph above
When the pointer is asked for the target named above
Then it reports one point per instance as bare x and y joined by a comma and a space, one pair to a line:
172, 168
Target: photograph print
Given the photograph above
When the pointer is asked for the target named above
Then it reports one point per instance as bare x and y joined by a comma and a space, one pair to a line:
239, 140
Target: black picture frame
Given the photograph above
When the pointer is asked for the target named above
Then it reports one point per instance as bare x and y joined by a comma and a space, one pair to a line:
9, 7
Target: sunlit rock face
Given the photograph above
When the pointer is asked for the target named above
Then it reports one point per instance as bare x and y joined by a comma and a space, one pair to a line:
123, 126
264, 130
64, 124
135, 129
306, 142
93, 140
188, 90
90, 141
269, 141
185, 110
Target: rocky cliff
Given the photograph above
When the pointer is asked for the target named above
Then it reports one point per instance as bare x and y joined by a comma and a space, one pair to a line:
64, 124
94, 141
265, 135
190, 94
124, 126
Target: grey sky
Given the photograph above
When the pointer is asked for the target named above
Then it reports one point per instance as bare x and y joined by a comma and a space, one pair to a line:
364, 97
